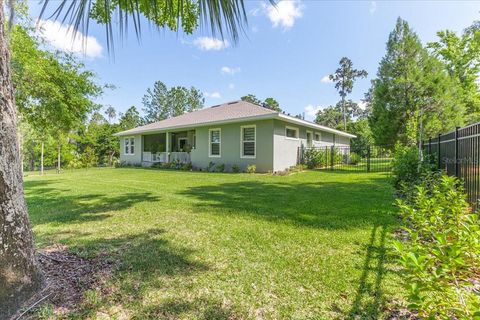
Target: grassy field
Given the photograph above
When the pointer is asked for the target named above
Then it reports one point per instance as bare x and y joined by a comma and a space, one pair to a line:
310, 245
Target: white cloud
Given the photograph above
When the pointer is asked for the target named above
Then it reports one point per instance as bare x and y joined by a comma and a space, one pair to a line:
230, 70
213, 95
209, 43
311, 110
326, 79
284, 13
63, 38
362, 104
373, 7
231, 86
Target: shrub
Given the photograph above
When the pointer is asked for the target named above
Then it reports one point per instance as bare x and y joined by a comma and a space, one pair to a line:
354, 158
187, 167
315, 158
235, 168
252, 168
220, 167
407, 170
441, 254
210, 167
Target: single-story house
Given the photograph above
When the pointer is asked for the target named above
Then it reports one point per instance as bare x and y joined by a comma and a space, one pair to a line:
235, 133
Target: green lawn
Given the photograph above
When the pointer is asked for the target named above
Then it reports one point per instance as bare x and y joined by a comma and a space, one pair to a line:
310, 245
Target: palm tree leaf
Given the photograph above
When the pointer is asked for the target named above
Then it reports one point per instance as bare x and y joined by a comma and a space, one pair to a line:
223, 17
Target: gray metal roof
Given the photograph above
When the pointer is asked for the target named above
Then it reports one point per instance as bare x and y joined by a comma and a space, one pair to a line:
223, 113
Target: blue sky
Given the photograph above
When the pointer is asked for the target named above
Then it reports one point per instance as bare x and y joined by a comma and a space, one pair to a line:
285, 53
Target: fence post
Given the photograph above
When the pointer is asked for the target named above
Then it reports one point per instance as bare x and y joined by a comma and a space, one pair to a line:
326, 157
439, 160
430, 146
368, 158
332, 150
456, 152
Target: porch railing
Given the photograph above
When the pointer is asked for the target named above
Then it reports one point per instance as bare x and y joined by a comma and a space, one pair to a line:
183, 157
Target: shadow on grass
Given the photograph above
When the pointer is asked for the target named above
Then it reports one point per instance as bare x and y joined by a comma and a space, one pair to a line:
327, 205
51, 204
369, 298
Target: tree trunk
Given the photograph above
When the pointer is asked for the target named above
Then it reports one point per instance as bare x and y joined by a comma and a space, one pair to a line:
344, 114
59, 149
19, 272
110, 158
41, 159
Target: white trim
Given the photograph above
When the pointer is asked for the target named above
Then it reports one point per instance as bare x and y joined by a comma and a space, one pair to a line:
131, 139
210, 155
254, 142
277, 116
297, 130
319, 133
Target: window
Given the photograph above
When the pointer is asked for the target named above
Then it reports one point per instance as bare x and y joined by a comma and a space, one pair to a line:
309, 138
214, 142
129, 145
291, 133
318, 136
248, 141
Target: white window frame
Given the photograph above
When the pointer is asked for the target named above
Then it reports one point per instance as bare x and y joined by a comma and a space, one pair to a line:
129, 139
292, 128
254, 142
319, 136
210, 155
312, 137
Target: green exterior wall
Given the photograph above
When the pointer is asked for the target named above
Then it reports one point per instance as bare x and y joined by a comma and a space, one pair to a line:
230, 146
274, 151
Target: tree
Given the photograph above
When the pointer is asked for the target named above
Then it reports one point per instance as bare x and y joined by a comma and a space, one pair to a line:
412, 96
330, 116
19, 273
162, 103
252, 99
344, 77
273, 104
334, 117
53, 91
269, 103
111, 113
130, 119
461, 55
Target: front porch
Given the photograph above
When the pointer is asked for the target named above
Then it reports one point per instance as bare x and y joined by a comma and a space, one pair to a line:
168, 147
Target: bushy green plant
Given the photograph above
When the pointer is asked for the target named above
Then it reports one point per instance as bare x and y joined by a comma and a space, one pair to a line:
407, 169
235, 168
187, 166
210, 167
354, 158
252, 168
315, 158
441, 253
220, 167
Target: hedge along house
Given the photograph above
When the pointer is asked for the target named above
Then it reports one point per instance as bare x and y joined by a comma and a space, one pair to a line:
235, 133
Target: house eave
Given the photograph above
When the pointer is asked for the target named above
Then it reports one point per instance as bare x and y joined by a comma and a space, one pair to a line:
277, 116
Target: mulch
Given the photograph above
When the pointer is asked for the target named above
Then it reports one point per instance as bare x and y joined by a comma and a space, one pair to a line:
67, 277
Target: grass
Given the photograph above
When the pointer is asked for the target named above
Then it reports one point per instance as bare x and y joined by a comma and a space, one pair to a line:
191, 245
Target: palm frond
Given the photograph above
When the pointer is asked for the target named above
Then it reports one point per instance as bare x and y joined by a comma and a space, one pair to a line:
222, 17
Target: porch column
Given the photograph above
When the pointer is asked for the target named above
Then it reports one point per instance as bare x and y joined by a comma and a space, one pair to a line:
167, 146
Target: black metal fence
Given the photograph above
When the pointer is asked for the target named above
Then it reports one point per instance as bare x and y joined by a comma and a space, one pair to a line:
458, 154
339, 158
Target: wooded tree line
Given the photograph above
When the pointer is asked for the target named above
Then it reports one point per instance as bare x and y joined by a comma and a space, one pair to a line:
419, 90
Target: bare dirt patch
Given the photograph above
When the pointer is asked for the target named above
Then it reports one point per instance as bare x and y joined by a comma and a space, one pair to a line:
67, 277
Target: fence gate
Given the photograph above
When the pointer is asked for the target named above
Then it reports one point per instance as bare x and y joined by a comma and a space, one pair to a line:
353, 159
